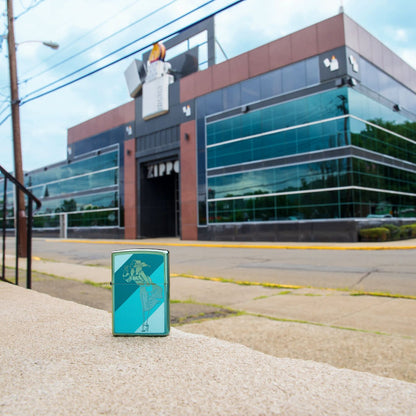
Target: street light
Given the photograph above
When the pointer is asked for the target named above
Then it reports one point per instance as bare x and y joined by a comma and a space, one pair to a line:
17, 144
49, 44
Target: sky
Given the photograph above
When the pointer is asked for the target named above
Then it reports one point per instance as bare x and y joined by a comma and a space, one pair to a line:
89, 30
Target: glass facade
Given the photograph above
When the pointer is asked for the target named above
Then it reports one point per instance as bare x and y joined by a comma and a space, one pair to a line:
251, 174
272, 84
86, 189
386, 86
286, 129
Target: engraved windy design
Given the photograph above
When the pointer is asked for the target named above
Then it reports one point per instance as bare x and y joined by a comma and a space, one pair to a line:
150, 293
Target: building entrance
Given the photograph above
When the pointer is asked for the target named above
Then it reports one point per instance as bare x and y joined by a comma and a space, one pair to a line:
159, 200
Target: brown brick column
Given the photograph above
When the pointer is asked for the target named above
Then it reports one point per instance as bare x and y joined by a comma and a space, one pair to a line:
130, 190
188, 185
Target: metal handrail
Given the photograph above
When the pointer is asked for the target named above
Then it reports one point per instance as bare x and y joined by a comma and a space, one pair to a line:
30, 211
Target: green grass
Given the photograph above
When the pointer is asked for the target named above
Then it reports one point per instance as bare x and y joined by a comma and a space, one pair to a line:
284, 292
105, 285
383, 295
352, 292
299, 321
238, 282
203, 317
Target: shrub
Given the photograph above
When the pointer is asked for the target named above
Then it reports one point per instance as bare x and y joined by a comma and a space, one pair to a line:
408, 231
388, 232
394, 231
374, 234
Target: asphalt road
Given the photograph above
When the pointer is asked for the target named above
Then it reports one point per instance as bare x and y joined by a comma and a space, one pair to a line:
353, 267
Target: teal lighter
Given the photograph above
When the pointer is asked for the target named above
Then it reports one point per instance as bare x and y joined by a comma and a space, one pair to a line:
140, 285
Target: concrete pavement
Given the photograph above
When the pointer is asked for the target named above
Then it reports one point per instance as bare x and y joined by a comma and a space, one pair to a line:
368, 333
322, 306
61, 355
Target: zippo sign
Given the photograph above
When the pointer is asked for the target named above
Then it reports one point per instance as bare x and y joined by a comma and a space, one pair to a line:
162, 169
156, 97
332, 64
156, 85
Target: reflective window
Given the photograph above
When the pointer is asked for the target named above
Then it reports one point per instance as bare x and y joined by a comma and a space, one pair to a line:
80, 219
370, 110
312, 71
305, 110
264, 86
327, 174
75, 168
250, 90
294, 77
271, 84
247, 139
81, 183
213, 102
80, 203
232, 96
284, 193
288, 142
290, 78
386, 86
325, 204
84, 185
327, 120
379, 135
374, 175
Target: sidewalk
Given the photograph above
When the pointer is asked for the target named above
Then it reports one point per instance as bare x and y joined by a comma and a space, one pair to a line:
365, 333
59, 357
327, 307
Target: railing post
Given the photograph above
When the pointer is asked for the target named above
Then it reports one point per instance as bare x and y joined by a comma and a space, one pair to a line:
17, 235
20, 217
3, 275
29, 245
63, 225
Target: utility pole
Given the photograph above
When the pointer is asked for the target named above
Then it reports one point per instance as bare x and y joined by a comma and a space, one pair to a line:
17, 144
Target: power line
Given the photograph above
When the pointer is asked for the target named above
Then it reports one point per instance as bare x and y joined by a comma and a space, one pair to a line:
76, 40
100, 41
6, 106
92, 30
126, 56
28, 8
4, 95
24, 100
5, 118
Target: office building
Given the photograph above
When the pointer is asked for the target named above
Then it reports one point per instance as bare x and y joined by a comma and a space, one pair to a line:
307, 138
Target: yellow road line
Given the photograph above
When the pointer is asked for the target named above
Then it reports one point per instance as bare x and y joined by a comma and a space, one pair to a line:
228, 245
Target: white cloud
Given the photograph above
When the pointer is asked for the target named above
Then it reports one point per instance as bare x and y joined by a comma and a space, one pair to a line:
401, 35
262, 21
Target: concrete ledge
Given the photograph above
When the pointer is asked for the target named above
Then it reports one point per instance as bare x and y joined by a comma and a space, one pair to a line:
59, 357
